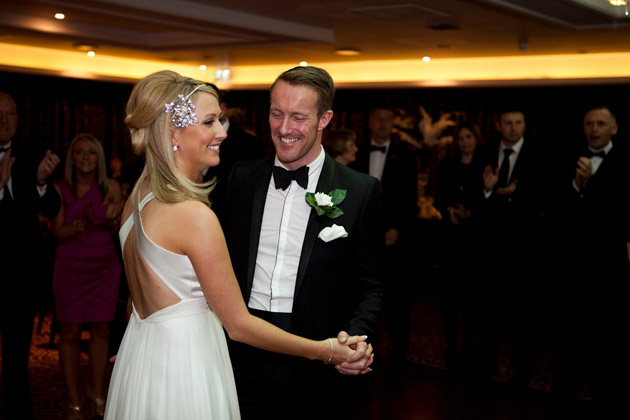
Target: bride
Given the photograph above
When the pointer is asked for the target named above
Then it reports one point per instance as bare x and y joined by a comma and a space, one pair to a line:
173, 361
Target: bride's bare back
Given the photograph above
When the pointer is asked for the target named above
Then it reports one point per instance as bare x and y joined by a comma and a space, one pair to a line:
148, 293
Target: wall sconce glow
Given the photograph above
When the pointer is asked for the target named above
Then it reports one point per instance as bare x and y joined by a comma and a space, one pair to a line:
91, 53
222, 75
426, 59
617, 2
203, 67
349, 52
303, 63
60, 16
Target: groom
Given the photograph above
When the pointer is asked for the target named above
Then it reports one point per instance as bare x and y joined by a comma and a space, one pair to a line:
313, 287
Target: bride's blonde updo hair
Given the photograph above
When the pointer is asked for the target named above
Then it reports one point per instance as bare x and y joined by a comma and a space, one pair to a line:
150, 127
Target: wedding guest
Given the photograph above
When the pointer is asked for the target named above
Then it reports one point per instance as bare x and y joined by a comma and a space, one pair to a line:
173, 362
341, 145
386, 157
87, 271
25, 193
511, 217
456, 190
590, 309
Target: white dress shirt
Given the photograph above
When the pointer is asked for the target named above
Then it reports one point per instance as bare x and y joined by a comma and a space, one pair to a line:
596, 161
516, 150
9, 183
377, 160
282, 232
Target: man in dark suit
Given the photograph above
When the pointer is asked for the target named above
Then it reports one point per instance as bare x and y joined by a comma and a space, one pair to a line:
591, 304
24, 194
295, 268
389, 159
510, 222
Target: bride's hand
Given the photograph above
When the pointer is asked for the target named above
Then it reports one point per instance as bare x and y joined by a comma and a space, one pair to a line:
341, 352
361, 360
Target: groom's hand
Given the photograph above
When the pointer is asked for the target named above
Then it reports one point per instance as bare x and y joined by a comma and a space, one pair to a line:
361, 360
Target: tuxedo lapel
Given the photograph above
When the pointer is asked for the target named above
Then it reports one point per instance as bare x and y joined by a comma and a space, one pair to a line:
259, 199
315, 223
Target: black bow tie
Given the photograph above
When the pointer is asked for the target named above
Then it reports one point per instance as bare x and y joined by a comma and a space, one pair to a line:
374, 148
4, 149
590, 154
282, 178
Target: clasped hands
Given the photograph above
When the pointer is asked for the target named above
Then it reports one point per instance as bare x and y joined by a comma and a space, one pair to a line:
352, 355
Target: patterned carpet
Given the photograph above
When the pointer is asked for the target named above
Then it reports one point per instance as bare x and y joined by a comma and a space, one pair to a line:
427, 349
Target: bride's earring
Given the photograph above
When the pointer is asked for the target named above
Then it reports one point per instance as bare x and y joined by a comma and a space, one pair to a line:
175, 148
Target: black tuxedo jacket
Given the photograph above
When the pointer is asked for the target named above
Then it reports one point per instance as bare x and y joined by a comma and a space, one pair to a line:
520, 212
594, 220
239, 145
339, 283
19, 214
399, 182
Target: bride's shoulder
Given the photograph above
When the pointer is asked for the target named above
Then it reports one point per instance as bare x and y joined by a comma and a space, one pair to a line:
193, 214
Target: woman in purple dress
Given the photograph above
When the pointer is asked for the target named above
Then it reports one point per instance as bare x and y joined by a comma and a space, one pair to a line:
87, 269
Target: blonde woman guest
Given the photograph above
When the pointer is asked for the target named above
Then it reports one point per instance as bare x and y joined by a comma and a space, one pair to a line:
87, 270
173, 361
341, 145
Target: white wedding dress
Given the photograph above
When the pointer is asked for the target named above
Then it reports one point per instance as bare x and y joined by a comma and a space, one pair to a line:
174, 364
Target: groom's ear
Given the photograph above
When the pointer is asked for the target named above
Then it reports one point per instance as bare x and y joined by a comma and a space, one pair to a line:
324, 120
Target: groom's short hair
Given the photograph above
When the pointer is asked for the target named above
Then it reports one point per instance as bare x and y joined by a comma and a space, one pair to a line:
314, 77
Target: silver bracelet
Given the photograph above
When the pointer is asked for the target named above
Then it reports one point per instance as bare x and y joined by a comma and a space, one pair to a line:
331, 351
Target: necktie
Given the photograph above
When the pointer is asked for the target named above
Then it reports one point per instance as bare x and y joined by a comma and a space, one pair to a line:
282, 178
504, 172
374, 148
590, 154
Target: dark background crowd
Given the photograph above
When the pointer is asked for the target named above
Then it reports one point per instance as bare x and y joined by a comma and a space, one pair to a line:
534, 264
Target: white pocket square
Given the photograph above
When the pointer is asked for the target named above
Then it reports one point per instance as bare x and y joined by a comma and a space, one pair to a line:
332, 232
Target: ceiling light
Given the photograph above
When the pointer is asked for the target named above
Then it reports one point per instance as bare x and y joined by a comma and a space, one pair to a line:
426, 58
617, 2
222, 75
60, 16
347, 51
203, 67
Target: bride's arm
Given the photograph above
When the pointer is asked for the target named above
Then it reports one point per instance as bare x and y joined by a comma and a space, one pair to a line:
201, 238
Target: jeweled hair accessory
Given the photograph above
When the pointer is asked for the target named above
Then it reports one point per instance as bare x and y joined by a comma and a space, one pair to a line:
182, 110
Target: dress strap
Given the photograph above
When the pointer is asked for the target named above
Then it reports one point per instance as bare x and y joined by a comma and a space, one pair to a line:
126, 227
145, 200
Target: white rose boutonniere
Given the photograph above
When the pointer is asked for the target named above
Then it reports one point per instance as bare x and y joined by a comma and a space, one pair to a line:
326, 204
333, 232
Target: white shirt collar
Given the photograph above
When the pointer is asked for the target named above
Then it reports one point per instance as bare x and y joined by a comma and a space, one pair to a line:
516, 147
606, 148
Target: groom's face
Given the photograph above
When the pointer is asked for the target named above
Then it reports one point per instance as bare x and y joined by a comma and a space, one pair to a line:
296, 129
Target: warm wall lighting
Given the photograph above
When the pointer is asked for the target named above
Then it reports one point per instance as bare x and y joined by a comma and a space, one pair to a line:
426, 59
303, 63
347, 51
617, 2
91, 53
60, 16
203, 67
